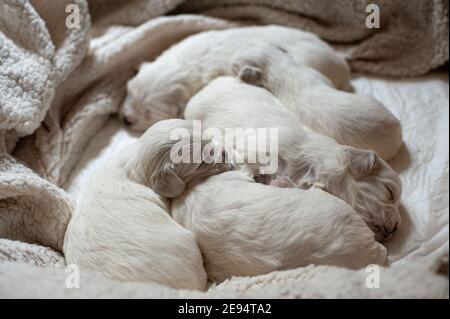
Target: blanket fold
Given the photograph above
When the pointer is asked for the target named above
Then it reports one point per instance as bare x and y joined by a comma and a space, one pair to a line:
32, 209
411, 40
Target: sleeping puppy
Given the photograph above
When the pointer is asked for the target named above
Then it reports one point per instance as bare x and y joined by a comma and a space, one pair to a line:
162, 88
121, 227
350, 119
246, 229
359, 177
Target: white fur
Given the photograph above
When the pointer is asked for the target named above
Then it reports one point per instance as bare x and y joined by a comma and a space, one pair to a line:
246, 228
162, 88
350, 119
122, 229
359, 177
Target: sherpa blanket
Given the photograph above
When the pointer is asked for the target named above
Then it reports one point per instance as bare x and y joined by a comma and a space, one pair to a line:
63, 73
414, 280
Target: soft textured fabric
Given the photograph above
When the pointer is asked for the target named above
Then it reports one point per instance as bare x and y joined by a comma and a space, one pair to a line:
59, 86
16, 251
31, 208
415, 280
412, 38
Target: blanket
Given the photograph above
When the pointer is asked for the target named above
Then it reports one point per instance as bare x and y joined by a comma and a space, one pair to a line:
412, 37
414, 280
63, 71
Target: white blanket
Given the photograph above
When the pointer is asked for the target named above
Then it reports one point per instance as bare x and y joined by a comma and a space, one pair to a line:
61, 86
413, 280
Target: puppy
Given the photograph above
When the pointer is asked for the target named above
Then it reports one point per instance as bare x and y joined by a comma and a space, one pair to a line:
359, 177
246, 229
162, 88
350, 119
121, 226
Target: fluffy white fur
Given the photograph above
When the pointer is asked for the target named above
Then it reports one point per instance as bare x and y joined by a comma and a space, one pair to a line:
359, 177
162, 88
246, 228
121, 227
350, 119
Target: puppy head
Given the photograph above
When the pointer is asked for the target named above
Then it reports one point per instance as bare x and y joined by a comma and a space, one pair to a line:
158, 156
152, 96
373, 189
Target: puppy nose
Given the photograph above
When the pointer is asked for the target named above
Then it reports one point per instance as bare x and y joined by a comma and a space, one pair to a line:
128, 121
388, 232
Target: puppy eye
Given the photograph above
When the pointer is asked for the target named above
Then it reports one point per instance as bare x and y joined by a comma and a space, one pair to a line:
391, 194
147, 112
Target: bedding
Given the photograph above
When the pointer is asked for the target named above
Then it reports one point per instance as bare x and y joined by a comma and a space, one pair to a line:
413, 280
59, 86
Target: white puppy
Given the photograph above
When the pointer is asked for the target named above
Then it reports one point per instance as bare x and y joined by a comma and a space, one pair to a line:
121, 226
245, 228
162, 88
350, 119
359, 177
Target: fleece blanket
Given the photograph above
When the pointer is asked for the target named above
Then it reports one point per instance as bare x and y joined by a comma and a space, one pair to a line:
414, 280
60, 81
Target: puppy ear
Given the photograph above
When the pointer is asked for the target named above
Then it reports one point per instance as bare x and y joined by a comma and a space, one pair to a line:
167, 183
250, 74
361, 162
